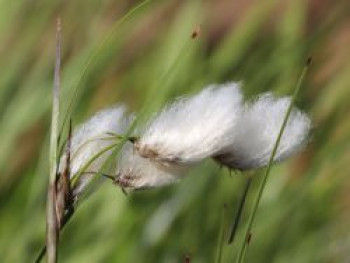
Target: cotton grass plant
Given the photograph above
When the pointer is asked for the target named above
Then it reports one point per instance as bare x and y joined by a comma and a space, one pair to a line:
211, 124
214, 123
303, 215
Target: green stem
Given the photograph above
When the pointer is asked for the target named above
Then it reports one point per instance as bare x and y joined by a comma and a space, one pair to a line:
91, 160
247, 236
51, 218
221, 236
95, 139
239, 211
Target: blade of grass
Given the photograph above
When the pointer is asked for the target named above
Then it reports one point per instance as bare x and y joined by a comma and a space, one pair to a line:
221, 235
157, 89
248, 235
92, 140
93, 56
51, 218
91, 160
239, 211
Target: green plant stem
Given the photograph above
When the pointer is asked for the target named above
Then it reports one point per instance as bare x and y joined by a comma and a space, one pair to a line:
221, 236
96, 139
91, 160
247, 236
51, 218
239, 211
156, 88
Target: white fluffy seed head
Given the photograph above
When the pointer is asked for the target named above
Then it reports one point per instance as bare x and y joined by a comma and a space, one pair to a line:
89, 139
193, 128
258, 130
136, 172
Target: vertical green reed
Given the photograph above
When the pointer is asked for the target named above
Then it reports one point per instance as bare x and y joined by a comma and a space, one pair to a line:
51, 219
248, 234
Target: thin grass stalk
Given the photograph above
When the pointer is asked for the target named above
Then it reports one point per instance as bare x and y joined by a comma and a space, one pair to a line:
221, 235
108, 162
65, 220
96, 139
111, 137
248, 235
238, 216
162, 80
51, 218
91, 160
93, 56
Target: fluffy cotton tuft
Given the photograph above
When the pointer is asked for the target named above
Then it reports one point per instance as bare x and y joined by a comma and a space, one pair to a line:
193, 128
136, 172
257, 132
90, 138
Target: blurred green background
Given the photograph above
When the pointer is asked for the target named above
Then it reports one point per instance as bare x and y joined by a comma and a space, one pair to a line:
147, 60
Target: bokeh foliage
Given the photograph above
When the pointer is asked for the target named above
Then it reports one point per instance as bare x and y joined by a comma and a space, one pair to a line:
146, 61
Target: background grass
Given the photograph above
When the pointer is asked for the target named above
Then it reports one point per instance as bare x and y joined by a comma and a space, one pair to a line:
147, 61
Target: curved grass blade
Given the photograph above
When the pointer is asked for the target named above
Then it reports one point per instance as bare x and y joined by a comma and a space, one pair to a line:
248, 235
238, 216
221, 235
91, 59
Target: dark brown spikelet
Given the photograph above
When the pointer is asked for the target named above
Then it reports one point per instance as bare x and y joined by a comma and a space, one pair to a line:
249, 238
64, 198
196, 32
309, 61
